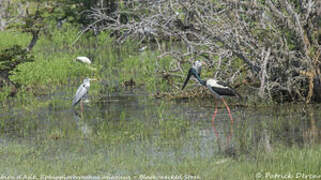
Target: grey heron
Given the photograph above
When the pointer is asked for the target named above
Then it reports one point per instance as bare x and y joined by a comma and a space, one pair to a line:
219, 89
81, 92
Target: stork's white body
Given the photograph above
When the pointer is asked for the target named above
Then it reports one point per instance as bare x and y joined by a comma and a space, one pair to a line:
213, 83
83, 59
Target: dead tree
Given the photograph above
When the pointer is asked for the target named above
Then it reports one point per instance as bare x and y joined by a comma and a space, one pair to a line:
275, 43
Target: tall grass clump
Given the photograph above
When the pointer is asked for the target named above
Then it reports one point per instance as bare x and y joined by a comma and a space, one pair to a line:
44, 75
10, 38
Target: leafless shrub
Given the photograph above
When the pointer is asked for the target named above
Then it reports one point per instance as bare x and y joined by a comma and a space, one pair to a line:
277, 42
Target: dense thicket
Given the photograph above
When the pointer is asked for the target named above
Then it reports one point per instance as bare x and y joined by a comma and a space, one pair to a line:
278, 42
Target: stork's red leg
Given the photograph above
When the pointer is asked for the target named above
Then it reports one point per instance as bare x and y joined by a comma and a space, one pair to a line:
213, 120
229, 113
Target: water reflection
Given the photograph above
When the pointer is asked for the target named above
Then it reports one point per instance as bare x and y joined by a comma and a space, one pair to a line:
311, 134
177, 126
82, 125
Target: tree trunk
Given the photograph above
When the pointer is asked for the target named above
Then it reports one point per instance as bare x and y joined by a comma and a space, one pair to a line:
35, 37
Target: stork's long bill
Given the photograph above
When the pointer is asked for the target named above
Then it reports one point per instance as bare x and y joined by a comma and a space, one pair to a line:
192, 72
217, 88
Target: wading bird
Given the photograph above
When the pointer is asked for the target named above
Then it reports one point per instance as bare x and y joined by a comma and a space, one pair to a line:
82, 91
195, 70
217, 88
197, 65
83, 59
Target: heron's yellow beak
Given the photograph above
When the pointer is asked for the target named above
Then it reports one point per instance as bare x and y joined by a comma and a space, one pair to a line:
93, 79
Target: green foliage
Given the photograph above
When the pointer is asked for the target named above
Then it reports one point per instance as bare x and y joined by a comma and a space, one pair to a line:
5, 92
33, 21
74, 11
11, 57
60, 40
11, 38
48, 73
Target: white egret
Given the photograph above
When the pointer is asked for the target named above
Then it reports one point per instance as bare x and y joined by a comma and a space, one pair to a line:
83, 59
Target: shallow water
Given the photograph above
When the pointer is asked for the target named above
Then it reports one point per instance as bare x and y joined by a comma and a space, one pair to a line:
154, 130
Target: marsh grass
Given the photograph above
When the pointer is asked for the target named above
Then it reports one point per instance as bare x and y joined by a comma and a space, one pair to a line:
10, 38
83, 157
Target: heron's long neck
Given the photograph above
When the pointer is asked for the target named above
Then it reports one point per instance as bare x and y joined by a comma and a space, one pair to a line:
87, 84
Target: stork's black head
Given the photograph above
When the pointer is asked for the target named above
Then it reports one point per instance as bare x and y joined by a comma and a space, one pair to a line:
197, 65
192, 71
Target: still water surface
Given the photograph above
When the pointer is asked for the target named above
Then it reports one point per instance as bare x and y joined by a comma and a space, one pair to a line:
134, 123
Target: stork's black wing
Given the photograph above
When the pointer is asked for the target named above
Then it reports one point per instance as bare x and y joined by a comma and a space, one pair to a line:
226, 91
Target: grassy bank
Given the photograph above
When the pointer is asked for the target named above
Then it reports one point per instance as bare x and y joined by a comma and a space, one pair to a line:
86, 158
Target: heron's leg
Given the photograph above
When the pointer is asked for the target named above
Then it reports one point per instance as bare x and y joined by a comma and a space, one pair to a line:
213, 120
81, 106
230, 115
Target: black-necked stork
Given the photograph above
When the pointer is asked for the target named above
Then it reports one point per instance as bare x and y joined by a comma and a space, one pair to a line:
217, 88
